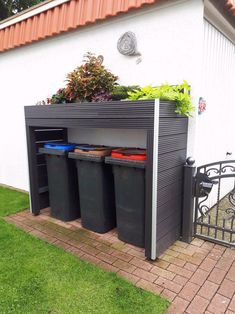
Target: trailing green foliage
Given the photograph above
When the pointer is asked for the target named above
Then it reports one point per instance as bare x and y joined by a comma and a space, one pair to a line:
178, 93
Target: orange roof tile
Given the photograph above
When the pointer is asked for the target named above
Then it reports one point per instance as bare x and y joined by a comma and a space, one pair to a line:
67, 16
230, 4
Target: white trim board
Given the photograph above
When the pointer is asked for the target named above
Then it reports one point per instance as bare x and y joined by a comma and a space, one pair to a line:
154, 182
31, 12
214, 17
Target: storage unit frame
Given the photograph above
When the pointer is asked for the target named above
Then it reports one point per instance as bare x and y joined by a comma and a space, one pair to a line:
166, 155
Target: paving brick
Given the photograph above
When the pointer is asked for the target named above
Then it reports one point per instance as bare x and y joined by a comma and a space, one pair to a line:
171, 253
190, 266
208, 245
90, 258
218, 304
123, 256
90, 250
168, 284
145, 275
215, 254
232, 304
141, 264
27, 228
224, 263
136, 248
181, 244
180, 280
173, 260
208, 264
217, 275
106, 257
124, 266
136, 253
198, 305
169, 295
77, 252
187, 251
191, 259
229, 253
227, 288
130, 277
180, 271
117, 245
199, 276
208, 290
160, 263
76, 243
189, 291
197, 242
178, 306
144, 284
231, 274
220, 248
229, 312
162, 272
62, 245
104, 248
108, 267
203, 252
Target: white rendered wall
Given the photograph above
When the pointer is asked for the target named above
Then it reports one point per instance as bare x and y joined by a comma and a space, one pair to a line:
216, 127
169, 40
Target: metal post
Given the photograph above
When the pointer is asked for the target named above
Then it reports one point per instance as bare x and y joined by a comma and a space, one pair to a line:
188, 200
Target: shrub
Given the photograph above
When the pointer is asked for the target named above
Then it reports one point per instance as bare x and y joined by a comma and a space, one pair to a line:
89, 80
178, 93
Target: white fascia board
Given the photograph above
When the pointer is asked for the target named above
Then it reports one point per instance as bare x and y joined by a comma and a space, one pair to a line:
31, 12
213, 16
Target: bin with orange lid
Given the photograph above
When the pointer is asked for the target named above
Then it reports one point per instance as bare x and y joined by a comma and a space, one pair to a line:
129, 182
93, 150
96, 188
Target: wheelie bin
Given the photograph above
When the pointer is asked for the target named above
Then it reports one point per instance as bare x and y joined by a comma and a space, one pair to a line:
129, 181
62, 181
96, 188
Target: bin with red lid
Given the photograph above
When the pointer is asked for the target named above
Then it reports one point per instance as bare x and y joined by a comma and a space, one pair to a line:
129, 183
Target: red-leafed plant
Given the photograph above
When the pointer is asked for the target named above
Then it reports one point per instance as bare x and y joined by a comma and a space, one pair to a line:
90, 81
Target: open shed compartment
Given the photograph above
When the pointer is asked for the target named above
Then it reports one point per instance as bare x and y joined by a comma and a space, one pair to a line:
166, 155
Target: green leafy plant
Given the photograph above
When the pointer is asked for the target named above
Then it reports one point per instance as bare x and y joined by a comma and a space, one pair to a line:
89, 80
59, 97
178, 93
121, 92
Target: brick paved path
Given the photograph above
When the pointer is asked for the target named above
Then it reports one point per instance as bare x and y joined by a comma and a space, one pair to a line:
196, 278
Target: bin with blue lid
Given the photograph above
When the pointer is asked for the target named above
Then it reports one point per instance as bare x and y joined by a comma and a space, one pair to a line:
96, 188
62, 181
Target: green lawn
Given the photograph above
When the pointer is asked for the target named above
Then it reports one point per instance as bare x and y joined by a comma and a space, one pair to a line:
12, 201
38, 278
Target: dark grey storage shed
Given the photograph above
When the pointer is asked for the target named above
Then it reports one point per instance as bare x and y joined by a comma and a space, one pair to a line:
166, 155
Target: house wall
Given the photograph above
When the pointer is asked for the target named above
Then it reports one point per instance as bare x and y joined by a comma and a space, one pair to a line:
169, 40
215, 127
